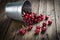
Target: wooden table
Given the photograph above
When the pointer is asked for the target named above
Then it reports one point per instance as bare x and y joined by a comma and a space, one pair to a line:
46, 7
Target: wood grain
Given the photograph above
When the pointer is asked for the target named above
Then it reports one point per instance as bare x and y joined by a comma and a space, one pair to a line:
57, 12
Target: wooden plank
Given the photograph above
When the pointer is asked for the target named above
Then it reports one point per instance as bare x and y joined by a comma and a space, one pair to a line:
12, 30
51, 31
57, 12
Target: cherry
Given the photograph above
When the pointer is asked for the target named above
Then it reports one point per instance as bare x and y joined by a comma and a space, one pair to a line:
30, 23
26, 17
44, 24
30, 16
27, 21
44, 29
46, 17
39, 19
35, 20
37, 31
49, 22
30, 27
37, 27
33, 17
23, 32
39, 16
27, 14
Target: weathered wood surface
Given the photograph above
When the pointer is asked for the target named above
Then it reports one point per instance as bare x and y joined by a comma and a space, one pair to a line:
47, 7
57, 12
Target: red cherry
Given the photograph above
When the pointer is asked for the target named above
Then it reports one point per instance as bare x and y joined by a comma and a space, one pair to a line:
44, 23
30, 16
37, 31
30, 27
35, 21
44, 29
30, 23
37, 27
39, 19
49, 22
33, 17
27, 14
46, 17
26, 17
23, 32
43, 26
27, 21
39, 16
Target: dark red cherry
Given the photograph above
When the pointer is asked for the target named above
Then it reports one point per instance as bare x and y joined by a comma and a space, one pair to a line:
26, 17
39, 19
37, 31
44, 24
44, 29
37, 27
35, 20
30, 27
49, 22
23, 32
30, 16
46, 17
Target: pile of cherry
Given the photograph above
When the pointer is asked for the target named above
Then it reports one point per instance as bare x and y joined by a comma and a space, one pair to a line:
30, 19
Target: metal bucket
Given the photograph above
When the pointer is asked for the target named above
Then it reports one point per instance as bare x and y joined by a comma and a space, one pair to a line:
14, 10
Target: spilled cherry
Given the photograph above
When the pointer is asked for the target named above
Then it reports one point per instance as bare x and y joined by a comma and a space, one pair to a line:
31, 18
43, 30
49, 22
46, 17
44, 24
37, 31
37, 27
30, 27
22, 31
